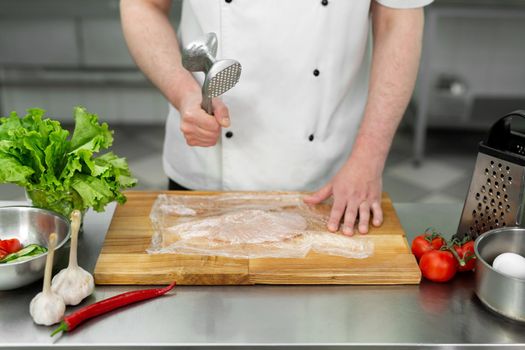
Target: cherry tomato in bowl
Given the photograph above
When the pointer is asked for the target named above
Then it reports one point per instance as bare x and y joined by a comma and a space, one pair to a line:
11, 245
3, 253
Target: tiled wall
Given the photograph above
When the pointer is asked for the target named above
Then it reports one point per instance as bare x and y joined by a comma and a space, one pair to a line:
480, 50
56, 54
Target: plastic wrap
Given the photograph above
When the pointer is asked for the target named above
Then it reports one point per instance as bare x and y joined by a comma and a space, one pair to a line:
247, 226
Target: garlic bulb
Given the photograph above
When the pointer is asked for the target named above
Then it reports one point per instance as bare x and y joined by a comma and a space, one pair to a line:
73, 283
47, 307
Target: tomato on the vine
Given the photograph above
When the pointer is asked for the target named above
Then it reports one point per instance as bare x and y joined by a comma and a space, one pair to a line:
466, 254
438, 265
425, 243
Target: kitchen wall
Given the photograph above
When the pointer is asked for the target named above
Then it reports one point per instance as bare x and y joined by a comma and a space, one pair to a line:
472, 69
59, 53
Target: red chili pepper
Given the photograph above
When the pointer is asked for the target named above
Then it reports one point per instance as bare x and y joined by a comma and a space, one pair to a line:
70, 322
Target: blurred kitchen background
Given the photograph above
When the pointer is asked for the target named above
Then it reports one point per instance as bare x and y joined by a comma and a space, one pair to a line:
56, 54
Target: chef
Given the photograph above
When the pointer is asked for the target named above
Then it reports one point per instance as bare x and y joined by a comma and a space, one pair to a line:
323, 87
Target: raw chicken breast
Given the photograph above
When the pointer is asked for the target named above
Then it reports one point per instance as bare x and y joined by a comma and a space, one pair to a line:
244, 227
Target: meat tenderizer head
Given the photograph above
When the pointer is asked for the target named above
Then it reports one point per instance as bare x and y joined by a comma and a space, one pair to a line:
219, 75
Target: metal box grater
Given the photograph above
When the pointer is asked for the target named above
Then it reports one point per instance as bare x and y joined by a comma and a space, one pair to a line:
496, 194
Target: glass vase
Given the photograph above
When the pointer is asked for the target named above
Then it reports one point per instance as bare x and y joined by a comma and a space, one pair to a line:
63, 203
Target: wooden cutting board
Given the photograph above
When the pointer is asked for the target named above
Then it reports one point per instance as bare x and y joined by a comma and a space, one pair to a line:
123, 259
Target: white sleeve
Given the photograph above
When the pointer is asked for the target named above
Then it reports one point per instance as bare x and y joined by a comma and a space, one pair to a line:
404, 4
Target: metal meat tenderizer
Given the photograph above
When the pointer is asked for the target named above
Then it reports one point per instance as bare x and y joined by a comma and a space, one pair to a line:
219, 75
496, 194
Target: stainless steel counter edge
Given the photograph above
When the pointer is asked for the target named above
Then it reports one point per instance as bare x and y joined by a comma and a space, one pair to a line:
322, 317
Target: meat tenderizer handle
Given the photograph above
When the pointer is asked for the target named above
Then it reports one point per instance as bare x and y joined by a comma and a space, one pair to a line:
206, 103
503, 138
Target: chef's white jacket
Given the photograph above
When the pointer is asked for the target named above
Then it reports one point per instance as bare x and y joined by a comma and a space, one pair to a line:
297, 107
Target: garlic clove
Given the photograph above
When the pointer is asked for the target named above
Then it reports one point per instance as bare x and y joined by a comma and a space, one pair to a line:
48, 308
73, 284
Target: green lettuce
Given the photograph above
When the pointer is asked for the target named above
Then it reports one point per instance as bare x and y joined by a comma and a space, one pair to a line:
60, 172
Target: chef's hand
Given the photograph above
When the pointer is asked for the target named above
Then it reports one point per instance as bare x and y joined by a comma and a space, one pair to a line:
200, 128
357, 194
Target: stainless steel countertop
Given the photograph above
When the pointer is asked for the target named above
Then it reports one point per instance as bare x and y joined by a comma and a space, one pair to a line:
428, 315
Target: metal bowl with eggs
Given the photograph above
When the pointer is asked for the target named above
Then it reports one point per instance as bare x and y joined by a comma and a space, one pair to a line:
30, 225
501, 288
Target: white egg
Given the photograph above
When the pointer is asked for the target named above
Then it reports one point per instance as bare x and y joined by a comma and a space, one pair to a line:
511, 264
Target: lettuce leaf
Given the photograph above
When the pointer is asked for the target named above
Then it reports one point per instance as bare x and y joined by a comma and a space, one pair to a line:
14, 172
88, 133
59, 172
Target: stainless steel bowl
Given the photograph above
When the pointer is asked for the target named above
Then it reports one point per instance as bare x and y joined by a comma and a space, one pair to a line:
30, 225
501, 293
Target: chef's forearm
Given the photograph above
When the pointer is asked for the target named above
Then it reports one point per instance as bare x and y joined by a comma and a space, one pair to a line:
397, 36
153, 44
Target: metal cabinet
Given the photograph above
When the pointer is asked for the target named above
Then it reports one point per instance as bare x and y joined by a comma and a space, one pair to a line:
472, 69
21, 42
103, 43
56, 54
